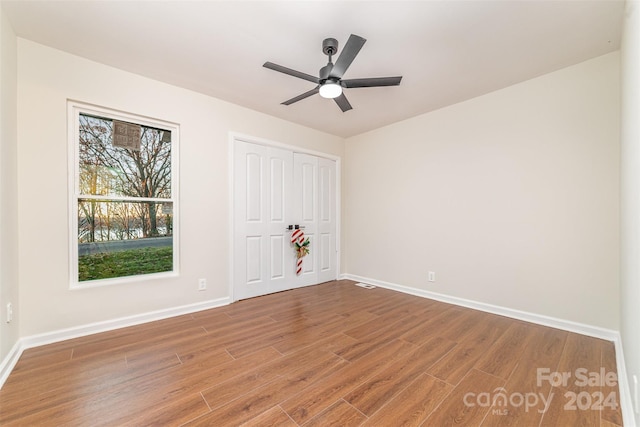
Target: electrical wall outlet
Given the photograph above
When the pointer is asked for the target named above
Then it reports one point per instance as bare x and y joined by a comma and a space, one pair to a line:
202, 284
432, 276
9, 312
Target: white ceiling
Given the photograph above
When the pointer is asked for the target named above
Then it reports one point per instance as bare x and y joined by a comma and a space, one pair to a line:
447, 51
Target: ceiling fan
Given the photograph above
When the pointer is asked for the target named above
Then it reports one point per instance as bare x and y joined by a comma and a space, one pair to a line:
329, 82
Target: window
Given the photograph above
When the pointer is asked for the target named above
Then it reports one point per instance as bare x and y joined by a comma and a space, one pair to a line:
123, 208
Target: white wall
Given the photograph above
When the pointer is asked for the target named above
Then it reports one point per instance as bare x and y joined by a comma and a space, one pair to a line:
511, 198
8, 186
630, 182
47, 78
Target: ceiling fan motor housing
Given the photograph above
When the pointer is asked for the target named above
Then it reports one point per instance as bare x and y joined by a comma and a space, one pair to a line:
324, 72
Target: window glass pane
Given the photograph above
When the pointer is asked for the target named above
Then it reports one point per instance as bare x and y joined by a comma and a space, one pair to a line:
117, 239
106, 169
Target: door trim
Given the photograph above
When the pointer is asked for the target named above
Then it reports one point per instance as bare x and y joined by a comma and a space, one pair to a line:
235, 137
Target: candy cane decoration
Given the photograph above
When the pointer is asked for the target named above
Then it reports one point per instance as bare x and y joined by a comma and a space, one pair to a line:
301, 244
297, 235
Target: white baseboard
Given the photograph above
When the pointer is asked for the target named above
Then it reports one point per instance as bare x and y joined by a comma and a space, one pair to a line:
626, 402
566, 325
9, 362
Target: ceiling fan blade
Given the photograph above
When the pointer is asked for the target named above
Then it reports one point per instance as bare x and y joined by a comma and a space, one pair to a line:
348, 54
343, 103
372, 82
303, 96
289, 71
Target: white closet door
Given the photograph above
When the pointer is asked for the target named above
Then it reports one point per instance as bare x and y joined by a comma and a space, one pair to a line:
327, 222
273, 189
305, 213
314, 209
262, 250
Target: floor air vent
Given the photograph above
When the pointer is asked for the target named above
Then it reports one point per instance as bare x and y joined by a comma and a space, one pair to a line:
365, 285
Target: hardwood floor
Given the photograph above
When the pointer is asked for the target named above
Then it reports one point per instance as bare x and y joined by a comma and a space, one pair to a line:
331, 354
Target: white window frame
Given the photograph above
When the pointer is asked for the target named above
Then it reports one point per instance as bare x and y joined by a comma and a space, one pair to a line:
74, 109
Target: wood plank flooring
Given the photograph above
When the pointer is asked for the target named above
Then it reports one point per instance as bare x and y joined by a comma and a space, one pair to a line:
332, 354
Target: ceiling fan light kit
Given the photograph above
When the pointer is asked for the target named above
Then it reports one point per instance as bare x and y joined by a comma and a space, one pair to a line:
329, 82
330, 90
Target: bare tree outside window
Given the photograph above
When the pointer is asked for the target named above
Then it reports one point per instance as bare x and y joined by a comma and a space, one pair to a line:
125, 205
